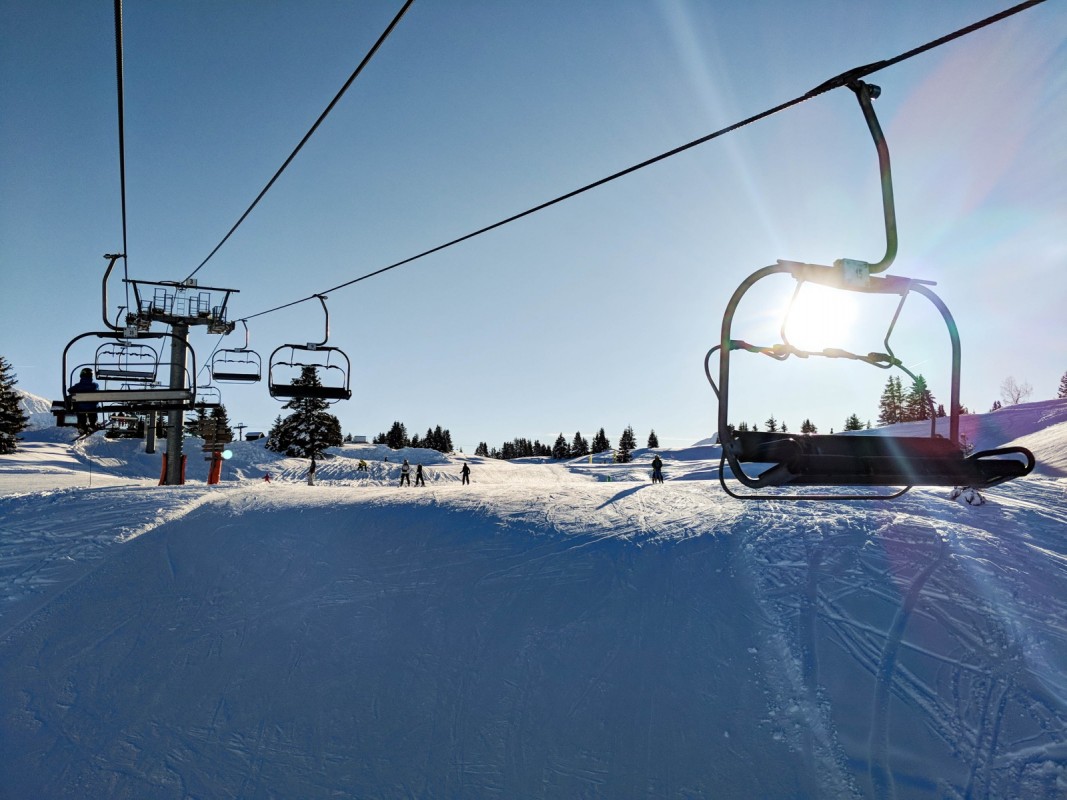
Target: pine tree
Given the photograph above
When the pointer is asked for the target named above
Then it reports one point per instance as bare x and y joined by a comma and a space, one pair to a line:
771, 424
627, 444
891, 406
1062, 393
273, 444
601, 442
482, 450
196, 423
808, 427
441, 439
653, 440
918, 402
579, 447
853, 423
397, 436
560, 449
13, 420
221, 432
310, 429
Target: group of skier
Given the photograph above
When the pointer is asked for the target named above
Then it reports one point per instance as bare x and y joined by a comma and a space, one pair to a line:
405, 474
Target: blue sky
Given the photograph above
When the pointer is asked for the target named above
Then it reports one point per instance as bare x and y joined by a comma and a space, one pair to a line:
596, 312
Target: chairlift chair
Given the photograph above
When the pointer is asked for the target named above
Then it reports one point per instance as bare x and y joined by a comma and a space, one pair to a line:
788, 460
237, 364
127, 361
124, 425
126, 394
331, 364
207, 397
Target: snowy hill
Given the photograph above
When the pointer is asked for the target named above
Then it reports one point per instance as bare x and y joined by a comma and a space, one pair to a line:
38, 409
552, 630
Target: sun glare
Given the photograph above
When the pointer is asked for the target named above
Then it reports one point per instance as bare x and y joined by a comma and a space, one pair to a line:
820, 317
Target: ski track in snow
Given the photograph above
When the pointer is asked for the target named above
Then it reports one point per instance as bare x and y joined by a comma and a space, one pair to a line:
955, 622
551, 630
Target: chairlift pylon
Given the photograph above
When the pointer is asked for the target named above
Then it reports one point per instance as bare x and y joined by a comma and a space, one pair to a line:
788, 460
331, 364
237, 364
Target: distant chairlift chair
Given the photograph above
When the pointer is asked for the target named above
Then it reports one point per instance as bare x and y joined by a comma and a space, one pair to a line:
786, 460
330, 363
237, 364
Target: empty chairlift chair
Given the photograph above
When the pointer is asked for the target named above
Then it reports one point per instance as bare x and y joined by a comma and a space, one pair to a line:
126, 361
762, 460
237, 364
291, 366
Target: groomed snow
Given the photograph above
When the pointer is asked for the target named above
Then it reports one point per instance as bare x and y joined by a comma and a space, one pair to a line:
551, 630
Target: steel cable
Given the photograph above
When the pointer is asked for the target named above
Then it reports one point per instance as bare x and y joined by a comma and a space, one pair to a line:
836, 82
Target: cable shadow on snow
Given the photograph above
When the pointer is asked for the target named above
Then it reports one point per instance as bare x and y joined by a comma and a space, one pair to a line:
622, 494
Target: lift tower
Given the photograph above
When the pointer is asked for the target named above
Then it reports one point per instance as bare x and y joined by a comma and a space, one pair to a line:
181, 306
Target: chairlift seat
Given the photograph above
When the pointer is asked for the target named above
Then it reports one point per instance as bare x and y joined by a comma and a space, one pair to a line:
288, 391
836, 460
223, 376
125, 375
239, 365
133, 395
66, 416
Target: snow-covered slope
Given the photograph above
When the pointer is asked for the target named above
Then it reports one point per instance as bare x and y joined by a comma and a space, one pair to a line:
38, 409
552, 630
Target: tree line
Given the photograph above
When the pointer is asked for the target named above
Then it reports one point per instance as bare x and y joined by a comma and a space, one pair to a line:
562, 448
438, 438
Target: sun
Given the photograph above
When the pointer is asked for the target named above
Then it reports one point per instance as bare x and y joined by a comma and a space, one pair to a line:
819, 317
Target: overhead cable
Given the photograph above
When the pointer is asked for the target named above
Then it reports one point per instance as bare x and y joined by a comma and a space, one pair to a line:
322, 116
122, 138
836, 82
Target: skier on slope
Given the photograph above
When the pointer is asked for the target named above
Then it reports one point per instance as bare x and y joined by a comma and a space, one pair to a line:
466, 472
657, 470
405, 473
419, 480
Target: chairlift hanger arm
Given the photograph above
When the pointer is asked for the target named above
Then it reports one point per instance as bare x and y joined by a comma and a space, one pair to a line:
112, 258
326, 332
865, 94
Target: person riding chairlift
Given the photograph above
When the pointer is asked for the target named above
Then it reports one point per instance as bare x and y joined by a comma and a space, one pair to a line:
86, 410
